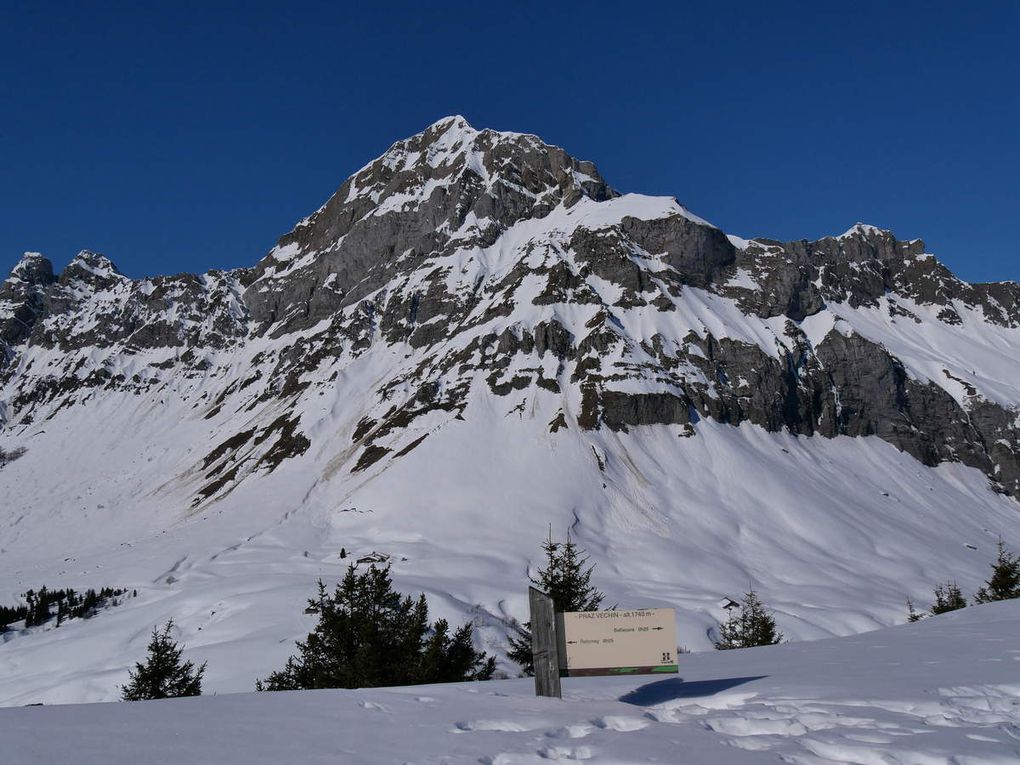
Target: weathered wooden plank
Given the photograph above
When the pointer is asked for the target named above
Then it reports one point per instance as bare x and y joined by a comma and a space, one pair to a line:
544, 647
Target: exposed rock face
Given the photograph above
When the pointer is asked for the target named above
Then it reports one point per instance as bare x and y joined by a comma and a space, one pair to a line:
860, 267
468, 264
447, 188
21, 299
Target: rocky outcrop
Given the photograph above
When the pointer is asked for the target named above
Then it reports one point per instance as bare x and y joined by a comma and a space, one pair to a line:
22, 300
863, 265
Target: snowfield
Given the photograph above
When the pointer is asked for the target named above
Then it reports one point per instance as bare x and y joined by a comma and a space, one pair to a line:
945, 691
835, 534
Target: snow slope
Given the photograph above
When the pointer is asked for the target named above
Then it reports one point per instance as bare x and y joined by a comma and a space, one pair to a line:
945, 691
835, 534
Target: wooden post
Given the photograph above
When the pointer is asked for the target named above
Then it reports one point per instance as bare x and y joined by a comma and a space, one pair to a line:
544, 648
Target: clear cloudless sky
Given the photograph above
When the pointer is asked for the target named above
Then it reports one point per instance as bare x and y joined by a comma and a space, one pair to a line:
182, 136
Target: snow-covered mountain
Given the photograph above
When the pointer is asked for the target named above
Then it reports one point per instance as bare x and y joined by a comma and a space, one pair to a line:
476, 337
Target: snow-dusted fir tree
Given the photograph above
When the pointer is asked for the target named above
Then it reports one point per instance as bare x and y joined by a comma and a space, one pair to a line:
753, 625
1004, 583
948, 597
163, 675
566, 578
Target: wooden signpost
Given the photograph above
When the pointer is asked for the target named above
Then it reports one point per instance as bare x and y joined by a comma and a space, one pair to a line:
588, 643
544, 648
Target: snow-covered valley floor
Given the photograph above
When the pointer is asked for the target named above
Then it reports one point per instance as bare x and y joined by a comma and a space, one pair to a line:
945, 691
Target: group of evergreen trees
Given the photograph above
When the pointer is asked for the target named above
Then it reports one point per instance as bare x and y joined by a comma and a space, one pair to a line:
369, 635
1003, 584
70, 604
11, 614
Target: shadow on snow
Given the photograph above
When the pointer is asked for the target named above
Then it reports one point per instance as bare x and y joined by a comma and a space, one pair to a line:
675, 688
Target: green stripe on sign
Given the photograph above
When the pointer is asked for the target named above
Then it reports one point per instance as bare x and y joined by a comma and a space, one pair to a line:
660, 669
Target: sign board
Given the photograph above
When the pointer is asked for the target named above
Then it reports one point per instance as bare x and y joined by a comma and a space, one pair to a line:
630, 642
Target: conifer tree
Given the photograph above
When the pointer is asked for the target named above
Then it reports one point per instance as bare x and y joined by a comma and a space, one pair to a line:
566, 578
912, 614
948, 598
368, 635
1004, 583
163, 676
753, 626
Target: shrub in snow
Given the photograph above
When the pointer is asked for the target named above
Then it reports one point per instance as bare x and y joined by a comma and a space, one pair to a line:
163, 676
368, 635
11, 455
1004, 584
948, 598
913, 615
566, 578
753, 625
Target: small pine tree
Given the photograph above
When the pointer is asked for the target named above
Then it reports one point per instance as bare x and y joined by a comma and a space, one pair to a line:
753, 626
912, 614
163, 676
948, 598
1004, 584
566, 578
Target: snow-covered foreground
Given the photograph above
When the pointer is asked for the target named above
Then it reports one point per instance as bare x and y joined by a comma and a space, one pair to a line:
944, 691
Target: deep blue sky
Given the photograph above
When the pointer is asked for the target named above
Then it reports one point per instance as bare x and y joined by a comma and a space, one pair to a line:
193, 135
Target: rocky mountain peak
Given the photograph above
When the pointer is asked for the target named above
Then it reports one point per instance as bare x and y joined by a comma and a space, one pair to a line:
865, 230
93, 269
449, 187
33, 268
21, 301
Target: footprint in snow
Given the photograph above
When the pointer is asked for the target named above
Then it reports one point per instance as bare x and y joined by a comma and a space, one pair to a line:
374, 706
620, 723
570, 731
755, 726
504, 726
565, 753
